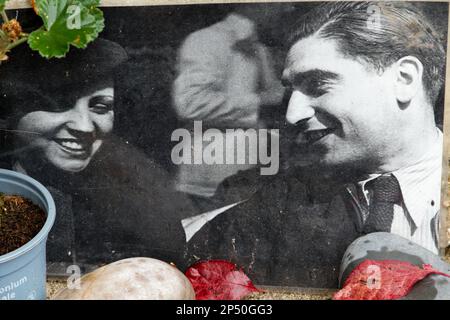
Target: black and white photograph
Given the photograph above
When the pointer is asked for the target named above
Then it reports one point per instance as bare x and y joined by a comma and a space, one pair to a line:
293, 139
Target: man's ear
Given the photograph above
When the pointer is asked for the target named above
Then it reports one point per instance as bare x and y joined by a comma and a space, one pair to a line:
408, 78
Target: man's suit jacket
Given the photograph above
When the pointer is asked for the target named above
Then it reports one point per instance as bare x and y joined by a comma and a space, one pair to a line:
293, 231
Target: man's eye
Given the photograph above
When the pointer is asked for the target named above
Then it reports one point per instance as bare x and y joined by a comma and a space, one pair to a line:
314, 88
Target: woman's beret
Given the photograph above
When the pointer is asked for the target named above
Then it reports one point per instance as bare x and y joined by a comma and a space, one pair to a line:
27, 69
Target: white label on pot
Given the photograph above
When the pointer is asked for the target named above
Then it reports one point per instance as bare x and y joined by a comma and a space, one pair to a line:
8, 292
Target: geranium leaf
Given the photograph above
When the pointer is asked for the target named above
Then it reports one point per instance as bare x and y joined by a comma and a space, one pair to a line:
66, 23
2, 4
219, 280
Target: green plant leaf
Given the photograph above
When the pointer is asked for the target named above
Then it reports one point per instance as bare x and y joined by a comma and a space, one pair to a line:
66, 22
2, 4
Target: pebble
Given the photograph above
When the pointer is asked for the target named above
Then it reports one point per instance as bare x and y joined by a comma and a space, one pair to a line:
131, 279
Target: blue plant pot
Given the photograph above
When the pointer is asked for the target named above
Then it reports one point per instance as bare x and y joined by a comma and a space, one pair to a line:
23, 271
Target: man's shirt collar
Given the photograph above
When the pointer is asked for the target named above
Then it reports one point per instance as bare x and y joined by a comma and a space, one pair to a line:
420, 183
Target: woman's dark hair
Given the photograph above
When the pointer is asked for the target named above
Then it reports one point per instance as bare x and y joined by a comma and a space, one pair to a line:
28, 76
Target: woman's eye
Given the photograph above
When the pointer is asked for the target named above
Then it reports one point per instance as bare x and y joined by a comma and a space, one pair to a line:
102, 106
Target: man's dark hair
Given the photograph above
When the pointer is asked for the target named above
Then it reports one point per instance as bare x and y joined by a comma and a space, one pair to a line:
378, 33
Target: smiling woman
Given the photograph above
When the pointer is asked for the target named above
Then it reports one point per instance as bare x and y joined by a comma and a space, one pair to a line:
56, 115
61, 112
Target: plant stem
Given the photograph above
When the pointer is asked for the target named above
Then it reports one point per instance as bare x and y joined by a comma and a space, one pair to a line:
4, 16
16, 43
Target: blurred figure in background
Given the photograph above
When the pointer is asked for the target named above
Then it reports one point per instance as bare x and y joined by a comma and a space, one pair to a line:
225, 78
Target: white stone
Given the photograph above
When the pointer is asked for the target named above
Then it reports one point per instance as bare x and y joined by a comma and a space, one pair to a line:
132, 279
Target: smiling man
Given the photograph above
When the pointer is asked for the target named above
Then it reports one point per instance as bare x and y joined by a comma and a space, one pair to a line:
366, 155
363, 94
364, 80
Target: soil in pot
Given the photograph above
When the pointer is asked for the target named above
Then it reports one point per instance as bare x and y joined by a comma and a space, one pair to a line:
20, 221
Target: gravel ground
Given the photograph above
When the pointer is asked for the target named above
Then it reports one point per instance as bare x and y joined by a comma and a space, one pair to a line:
283, 295
53, 285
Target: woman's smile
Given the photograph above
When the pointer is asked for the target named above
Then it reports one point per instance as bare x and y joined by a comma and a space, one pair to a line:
75, 147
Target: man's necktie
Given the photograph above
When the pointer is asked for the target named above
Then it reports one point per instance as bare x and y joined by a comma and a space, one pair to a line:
385, 193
